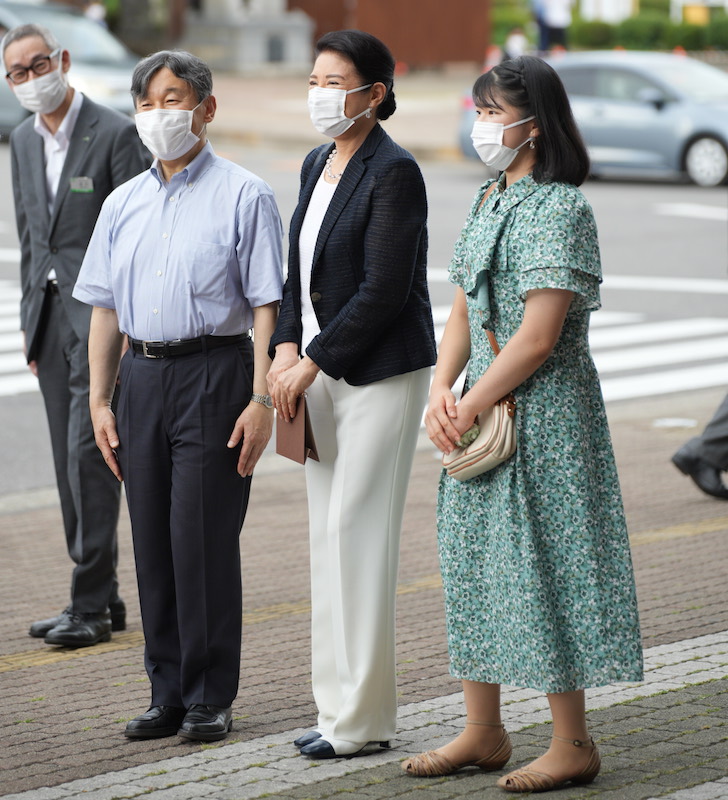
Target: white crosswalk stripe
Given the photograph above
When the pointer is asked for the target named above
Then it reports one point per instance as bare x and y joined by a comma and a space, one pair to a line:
635, 357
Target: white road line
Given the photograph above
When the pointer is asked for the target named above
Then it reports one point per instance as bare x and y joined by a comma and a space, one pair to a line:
659, 355
652, 283
18, 384
10, 342
657, 332
674, 380
10, 254
13, 362
692, 210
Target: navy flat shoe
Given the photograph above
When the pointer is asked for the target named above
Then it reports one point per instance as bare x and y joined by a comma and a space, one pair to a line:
322, 749
306, 738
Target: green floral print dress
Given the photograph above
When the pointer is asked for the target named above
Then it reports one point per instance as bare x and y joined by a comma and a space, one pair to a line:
535, 559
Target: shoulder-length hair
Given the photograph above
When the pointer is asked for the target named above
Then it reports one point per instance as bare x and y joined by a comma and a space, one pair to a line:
532, 86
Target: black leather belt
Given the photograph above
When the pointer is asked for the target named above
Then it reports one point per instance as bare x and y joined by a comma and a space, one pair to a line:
183, 347
52, 287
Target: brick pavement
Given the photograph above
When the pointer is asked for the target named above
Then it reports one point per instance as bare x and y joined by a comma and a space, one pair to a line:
63, 711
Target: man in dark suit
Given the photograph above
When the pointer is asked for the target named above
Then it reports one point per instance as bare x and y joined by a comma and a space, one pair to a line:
704, 458
66, 159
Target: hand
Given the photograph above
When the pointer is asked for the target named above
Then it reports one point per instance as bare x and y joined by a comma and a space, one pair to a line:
443, 423
107, 440
32, 365
254, 426
286, 357
290, 384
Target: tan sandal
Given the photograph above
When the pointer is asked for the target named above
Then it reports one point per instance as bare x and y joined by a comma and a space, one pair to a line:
433, 764
529, 780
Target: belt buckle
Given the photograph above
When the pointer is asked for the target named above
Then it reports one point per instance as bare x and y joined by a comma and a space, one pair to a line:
146, 352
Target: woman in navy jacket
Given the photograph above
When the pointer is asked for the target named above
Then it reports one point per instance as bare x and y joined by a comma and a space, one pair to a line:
355, 334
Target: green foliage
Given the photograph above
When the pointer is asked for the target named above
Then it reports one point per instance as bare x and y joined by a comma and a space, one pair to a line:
504, 20
592, 35
646, 31
663, 6
689, 37
717, 33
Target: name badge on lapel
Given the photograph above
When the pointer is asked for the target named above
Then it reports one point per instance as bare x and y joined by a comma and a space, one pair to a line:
82, 184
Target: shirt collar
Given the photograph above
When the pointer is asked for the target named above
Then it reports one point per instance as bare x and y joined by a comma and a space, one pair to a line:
65, 129
192, 172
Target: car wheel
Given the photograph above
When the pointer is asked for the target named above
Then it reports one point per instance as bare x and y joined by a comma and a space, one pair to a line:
706, 162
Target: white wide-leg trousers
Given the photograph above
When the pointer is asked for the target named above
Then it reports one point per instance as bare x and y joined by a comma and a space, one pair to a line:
366, 438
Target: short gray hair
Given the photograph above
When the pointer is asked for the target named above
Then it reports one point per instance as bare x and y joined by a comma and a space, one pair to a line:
181, 64
25, 32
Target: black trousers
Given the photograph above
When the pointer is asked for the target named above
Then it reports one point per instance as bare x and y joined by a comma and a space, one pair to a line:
187, 505
89, 492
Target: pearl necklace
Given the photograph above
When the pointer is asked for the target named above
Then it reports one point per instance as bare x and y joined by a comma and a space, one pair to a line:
329, 159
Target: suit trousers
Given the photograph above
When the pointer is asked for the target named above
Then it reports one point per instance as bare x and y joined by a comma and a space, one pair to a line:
187, 504
712, 444
366, 438
89, 492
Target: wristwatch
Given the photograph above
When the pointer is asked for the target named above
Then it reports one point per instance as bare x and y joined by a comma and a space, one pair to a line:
263, 399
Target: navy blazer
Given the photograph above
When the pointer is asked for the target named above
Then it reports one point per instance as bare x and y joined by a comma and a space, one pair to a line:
369, 277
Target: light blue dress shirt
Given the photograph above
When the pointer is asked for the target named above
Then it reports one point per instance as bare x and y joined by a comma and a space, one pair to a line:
186, 258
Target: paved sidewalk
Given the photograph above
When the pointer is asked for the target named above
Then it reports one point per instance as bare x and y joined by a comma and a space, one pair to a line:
63, 711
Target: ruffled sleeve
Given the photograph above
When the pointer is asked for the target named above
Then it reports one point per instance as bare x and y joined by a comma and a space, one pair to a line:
556, 247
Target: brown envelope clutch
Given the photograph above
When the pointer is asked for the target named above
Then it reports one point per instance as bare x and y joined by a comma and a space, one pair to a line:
294, 439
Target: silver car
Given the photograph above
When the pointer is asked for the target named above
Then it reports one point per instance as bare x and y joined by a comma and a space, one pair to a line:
101, 66
646, 115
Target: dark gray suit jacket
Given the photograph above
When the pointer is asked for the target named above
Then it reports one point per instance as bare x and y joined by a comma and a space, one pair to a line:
104, 147
369, 276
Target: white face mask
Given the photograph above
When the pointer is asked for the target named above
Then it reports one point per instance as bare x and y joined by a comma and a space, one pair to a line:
167, 132
326, 107
44, 94
488, 142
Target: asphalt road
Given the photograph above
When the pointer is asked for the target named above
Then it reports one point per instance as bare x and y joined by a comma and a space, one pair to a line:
663, 327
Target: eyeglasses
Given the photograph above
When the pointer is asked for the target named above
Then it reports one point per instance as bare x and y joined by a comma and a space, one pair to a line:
40, 66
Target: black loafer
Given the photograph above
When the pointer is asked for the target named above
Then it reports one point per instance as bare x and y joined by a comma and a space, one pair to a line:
80, 630
306, 738
203, 723
159, 721
706, 477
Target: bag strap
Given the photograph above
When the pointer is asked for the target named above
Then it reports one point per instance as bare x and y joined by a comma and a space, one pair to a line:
493, 341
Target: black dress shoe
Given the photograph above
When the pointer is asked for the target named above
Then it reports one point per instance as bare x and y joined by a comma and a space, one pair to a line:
81, 630
39, 629
203, 723
306, 738
117, 609
321, 748
706, 477
159, 721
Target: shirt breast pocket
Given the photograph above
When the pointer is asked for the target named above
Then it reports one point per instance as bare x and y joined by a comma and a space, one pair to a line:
205, 269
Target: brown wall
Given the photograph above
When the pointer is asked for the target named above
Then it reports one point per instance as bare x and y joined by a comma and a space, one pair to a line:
420, 33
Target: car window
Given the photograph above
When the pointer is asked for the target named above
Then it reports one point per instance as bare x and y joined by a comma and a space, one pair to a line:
86, 40
578, 82
621, 85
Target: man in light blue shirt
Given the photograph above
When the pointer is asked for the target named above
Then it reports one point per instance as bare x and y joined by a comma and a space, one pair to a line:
184, 260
